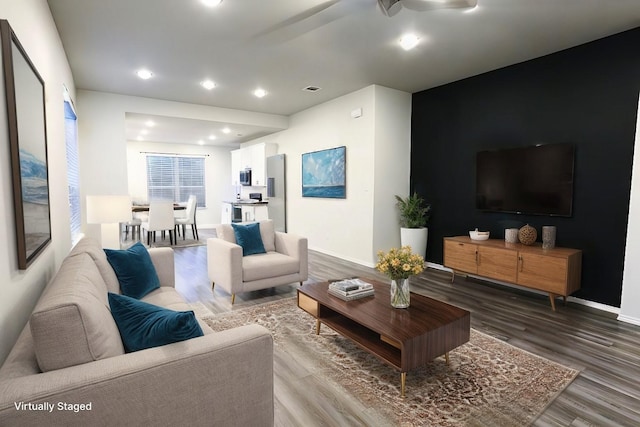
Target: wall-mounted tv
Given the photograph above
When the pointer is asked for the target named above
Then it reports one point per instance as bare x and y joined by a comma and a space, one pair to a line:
535, 180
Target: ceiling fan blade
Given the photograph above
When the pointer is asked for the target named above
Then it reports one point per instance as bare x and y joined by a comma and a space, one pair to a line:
310, 20
390, 7
423, 5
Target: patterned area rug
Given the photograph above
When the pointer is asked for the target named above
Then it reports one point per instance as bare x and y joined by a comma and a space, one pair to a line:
487, 383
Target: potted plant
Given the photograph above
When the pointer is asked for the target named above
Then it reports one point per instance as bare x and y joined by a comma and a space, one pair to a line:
414, 215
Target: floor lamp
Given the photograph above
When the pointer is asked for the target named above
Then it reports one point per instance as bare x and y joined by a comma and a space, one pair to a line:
109, 212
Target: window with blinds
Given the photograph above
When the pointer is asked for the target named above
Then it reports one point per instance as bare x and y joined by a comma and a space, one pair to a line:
73, 170
175, 178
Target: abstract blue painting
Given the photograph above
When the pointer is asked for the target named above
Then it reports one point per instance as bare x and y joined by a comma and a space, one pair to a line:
324, 173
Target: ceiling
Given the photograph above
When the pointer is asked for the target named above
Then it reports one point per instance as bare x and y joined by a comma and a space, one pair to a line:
284, 46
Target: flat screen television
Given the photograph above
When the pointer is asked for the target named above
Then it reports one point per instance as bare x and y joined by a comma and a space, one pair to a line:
535, 180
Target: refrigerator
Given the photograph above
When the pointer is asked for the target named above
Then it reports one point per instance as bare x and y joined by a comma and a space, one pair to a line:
276, 191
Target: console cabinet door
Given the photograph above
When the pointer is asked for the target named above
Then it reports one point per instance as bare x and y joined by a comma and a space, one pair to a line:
460, 256
499, 264
546, 273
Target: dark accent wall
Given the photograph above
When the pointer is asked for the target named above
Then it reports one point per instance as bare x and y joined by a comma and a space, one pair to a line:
588, 96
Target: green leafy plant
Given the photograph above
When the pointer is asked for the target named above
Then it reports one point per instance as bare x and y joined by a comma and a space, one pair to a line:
414, 213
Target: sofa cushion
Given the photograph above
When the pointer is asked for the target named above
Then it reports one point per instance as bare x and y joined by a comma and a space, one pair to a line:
265, 266
92, 248
134, 269
71, 323
248, 236
143, 325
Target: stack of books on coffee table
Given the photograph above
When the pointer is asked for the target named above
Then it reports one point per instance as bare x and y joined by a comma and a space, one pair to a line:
350, 289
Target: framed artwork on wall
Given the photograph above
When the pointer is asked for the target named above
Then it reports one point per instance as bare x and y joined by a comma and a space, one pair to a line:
24, 91
324, 173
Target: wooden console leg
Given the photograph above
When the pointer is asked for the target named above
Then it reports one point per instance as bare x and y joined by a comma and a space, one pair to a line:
446, 357
403, 379
552, 299
317, 326
453, 275
233, 298
212, 285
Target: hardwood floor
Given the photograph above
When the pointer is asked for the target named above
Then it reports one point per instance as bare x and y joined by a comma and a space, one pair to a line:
607, 352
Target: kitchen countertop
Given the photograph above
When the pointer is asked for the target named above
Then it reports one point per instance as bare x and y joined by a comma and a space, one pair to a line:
245, 202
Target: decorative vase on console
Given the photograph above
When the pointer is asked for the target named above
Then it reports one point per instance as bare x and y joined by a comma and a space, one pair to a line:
399, 265
414, 215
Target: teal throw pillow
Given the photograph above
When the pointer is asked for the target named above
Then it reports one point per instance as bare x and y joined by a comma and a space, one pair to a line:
135, 271
248, 236
143, 325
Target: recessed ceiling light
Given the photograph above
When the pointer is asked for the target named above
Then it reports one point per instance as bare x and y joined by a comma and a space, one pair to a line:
150, 123
200, 142
144, 132
208, 84
226, 130
409, 41
211, 3
144, 74
260, 93
212, 137
139, 138
311, 88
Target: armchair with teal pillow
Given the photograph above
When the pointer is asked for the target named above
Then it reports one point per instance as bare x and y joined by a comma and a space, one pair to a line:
249, 257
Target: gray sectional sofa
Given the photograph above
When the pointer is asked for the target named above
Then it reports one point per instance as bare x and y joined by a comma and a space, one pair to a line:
69, 366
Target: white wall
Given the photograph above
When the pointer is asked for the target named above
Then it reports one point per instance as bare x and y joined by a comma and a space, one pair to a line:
33, 25
630, 308
378, 158
103, 145
217, 163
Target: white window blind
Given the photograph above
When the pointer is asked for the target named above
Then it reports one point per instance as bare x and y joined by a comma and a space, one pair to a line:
175, 178
73, 170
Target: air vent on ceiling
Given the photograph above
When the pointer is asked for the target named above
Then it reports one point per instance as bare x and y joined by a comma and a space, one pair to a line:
311, 88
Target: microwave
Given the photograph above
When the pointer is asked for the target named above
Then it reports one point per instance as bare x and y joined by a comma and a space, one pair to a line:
245, 177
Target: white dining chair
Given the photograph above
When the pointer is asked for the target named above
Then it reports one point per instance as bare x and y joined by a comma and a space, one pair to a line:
189, 218
160, 219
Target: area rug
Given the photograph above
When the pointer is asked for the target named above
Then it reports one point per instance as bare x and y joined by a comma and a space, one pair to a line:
487, 383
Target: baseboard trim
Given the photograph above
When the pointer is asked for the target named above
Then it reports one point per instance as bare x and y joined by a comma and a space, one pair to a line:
341, 256
629, 319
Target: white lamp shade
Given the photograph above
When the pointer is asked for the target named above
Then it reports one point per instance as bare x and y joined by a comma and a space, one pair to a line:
108, 209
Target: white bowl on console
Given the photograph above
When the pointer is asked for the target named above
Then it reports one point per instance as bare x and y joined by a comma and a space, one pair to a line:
478, 235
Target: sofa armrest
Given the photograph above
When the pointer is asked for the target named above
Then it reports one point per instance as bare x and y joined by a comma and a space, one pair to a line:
296, 247
162, 259
211, 380
224, 263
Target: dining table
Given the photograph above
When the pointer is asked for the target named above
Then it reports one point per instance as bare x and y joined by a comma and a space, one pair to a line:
145, 208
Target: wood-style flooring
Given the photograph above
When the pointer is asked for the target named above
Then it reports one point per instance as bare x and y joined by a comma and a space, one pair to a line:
606, 351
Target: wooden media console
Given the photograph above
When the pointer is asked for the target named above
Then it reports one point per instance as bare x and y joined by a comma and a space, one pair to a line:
555, 271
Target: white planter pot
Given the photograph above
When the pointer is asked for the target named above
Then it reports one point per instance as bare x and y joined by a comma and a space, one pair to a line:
416, 238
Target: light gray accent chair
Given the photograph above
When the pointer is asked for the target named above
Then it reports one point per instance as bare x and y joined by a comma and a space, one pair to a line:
71, 353
285, 260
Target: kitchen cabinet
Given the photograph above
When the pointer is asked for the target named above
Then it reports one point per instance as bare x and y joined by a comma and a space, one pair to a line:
259, 154
226, 216
255, 158
555, 271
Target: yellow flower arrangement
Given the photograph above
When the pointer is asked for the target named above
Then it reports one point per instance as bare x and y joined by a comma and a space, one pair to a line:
399, 263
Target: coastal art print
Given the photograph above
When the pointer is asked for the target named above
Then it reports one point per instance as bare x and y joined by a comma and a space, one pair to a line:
24, 91
324, 173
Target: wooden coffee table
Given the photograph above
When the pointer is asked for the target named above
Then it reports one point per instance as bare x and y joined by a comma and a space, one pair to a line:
402, 338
